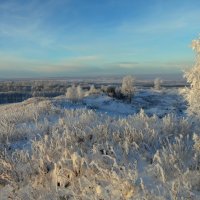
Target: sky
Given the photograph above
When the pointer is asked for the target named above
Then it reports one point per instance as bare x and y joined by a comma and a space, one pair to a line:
57, 38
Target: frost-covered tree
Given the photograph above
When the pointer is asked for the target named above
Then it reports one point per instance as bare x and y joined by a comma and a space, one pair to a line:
80, 93
157, 83
72, 93
128, 87
192, 94
75, 93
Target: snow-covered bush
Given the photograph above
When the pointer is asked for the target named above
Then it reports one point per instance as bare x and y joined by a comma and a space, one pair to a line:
172, 160
73, 158
75, 93
72, 93
157, 83
92, 90
128, 88
112, 91
196, 139
16, 119
192, 94
103, 88
80, 92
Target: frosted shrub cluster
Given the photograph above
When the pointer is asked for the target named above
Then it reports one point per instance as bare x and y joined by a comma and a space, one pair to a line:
92, 90
14, 118
72, 158
196, 139
75, 93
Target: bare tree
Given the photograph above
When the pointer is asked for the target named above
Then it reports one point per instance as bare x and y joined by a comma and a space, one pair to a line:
127, 87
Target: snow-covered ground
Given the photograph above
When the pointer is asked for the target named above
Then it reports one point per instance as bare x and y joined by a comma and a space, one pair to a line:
160, 103
100, 148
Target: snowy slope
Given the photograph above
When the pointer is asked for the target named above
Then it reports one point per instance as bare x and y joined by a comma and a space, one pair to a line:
99, 148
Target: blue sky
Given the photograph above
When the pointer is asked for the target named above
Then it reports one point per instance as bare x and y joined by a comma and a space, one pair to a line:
96, 37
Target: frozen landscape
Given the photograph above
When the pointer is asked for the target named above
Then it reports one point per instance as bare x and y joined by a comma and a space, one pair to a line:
99, 100
97, 145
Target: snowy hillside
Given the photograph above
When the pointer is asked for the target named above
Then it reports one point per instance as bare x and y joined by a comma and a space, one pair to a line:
99, 148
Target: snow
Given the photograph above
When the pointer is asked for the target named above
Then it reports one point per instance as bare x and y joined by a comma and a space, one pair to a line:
112, 142
160, 103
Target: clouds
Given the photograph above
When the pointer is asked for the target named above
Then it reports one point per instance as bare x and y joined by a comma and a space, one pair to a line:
16, 67
65, 36
26, 21
165, 18
44, 68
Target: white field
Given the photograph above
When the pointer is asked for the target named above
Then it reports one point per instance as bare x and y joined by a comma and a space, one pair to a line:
100, 148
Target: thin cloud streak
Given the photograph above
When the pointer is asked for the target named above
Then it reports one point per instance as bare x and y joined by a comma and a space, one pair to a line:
174, 22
